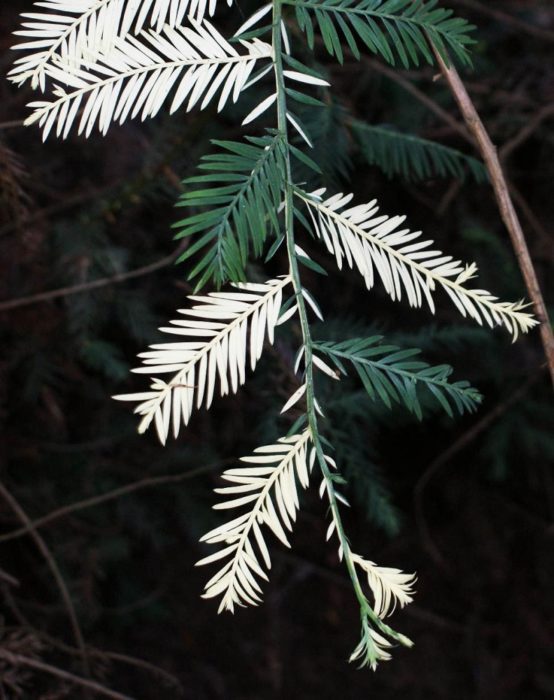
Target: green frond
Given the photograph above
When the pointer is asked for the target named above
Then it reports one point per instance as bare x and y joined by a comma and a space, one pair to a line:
238, 197
327, 126
413, 157
396, 376
386, 28
367, 484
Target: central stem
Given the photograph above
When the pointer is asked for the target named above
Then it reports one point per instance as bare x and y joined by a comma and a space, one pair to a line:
307, 342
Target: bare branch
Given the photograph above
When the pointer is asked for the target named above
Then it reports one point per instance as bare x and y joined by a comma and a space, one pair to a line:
433, 106
507, 19
63, 512
527, 131
56, 573
446, 457
504, 201
94, 284
21, 660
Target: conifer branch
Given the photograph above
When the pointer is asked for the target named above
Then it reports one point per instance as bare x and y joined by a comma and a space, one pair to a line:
374, 245
76, 32
233, 326
106, 68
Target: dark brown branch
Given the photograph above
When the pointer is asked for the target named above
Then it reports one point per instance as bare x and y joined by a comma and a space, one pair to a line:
94, 284
408, 86
445, 457
21, 660
14, 124
56, 573
527, 131
67, 203
109, 656
504, 201
63, 512
508, 19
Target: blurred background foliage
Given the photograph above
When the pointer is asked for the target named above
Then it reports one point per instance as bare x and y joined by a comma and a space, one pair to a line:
467, 503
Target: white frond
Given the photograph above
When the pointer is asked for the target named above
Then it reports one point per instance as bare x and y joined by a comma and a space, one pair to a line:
267, 485
390, 587
324, 367
372, 649
295, 398
305, 78
299, 129
215, 340
137, 75
78, 31
254, 19
264, 105
377, 246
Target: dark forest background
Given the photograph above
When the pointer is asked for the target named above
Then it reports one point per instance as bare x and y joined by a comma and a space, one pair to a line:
468, 502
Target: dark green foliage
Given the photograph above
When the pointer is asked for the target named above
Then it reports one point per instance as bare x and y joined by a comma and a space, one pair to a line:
352, 429
336, 135
327, 128
105, 358
412, 157
239, 208
386, 28
395, 376
524, 435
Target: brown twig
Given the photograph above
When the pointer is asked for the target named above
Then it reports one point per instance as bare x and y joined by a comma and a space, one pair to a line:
527, 131
63, 512
508, 19
94, 284
56, 573
445, 457
21, 660
14, 124
67, 203
504, 201
408, 86
109, 656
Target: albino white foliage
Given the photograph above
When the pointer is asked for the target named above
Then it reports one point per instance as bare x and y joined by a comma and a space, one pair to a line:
373, 648
106, 67
254, 19
294, 399
216, 338
390, 587
137, 75
259, 109
267, 485
406, 265
78, 31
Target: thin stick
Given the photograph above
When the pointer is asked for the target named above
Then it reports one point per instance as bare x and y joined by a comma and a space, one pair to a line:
91, 651
527, 131
504, 201
94, 284
508, 19
63, 512
56, 573
21, 660
445, 458
408, 86
14, 124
